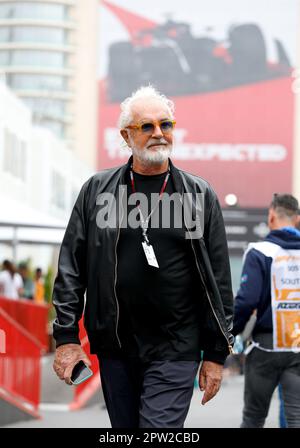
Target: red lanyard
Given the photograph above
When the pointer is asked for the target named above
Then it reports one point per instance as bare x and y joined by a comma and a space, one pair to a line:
162, 188
145, 222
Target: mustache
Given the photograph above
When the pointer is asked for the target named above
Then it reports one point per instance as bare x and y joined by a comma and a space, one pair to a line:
157, 142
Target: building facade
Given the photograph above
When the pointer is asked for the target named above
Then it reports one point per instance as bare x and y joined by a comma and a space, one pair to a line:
48, 58
40, 178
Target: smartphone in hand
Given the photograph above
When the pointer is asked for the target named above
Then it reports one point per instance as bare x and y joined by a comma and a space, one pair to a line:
81, 372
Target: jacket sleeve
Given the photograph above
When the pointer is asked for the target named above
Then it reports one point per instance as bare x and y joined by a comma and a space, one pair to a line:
70, 283
249, 293
216, 244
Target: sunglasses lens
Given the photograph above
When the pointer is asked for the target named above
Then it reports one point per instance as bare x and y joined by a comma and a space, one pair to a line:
166, 126
147, 127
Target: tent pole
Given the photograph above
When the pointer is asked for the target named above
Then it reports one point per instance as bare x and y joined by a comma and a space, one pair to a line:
14, 244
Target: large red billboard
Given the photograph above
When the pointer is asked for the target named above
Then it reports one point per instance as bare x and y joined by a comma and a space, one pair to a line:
229, 72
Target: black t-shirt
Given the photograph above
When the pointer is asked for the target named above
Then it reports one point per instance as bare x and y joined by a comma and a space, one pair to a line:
159, 308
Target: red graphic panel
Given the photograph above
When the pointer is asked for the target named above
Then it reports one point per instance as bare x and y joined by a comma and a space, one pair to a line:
234, 106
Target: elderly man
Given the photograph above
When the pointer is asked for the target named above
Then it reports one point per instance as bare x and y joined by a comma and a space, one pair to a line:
159, 298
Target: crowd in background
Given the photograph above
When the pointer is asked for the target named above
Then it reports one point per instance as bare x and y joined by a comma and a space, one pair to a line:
18, 282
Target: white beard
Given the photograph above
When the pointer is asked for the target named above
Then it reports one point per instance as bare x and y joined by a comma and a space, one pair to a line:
152, 156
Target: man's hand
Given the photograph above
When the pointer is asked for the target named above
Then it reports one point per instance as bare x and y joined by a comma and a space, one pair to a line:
66, 357
210, 377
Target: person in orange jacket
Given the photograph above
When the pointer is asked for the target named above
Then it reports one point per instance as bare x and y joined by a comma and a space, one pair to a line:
39, 288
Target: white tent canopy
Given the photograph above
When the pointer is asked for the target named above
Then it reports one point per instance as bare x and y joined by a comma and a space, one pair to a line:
20, 223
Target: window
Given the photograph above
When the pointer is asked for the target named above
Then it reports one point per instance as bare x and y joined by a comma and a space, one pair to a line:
33, 58
37, 82
4, 58
58, 190
4, 34
44, 58
46, 107
31, 34
33, 10
14, 155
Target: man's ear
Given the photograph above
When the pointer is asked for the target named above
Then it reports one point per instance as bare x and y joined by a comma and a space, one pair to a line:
125, 136
271, 218
296, 221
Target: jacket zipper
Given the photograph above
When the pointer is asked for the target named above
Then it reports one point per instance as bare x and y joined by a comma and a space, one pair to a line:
116, 264
207, 293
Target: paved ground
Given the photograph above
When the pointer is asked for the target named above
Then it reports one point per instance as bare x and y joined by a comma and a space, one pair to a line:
224, 411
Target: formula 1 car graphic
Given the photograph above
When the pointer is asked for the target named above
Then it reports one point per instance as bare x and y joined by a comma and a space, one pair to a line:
178, 63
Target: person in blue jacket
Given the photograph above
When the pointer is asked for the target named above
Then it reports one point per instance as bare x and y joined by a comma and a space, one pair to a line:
273, 358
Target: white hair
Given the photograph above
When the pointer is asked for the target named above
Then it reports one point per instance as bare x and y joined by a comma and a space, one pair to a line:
145, 93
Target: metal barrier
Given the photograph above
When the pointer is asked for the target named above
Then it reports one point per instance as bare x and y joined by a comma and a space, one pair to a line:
19, 365
30, 315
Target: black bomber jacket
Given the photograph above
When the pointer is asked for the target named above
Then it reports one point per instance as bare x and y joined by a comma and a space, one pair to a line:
88, 264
